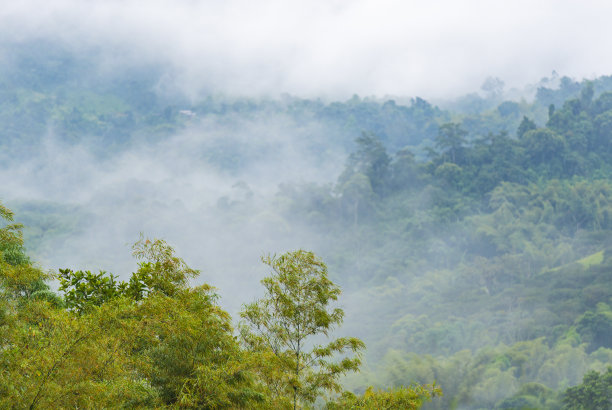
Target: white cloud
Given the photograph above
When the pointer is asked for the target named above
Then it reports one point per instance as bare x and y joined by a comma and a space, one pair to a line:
336, 48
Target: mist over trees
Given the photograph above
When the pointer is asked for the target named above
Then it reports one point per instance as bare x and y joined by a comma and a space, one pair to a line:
471, 238
156, 342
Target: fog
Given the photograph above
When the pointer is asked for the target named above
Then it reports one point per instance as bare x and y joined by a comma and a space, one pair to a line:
221, 221
331, 49
211, 182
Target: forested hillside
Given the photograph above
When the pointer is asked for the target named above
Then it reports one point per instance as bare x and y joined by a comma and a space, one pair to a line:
472, 238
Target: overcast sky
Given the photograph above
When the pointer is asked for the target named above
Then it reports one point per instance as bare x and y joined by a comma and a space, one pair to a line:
336, 48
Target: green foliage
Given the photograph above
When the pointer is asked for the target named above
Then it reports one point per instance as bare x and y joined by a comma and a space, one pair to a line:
450, 141
52, 359
186, 350
545, 147
370, 160
409, 398
11, 239
531, 396
595, 328
149, 342
19, 279
595, 392
281, 325
484, 266
159, 272
84, 290
525, 126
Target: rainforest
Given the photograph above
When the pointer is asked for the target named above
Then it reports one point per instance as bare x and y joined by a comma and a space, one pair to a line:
169, 243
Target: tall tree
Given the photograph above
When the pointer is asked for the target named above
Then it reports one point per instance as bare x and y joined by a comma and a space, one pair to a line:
280, 326
525, 126
370, 159
450, 141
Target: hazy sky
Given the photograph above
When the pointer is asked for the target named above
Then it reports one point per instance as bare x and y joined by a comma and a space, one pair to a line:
335, 48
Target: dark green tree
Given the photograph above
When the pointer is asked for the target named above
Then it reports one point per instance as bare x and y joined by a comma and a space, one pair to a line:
595, 392
596, 329
525, 126
370, 159
546, 150
450, 141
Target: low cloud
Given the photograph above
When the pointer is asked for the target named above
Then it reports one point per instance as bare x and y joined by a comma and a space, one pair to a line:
331, 48
221, 217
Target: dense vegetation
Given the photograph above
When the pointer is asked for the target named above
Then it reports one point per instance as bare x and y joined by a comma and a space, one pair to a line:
154, 341
496, 280
473, 240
